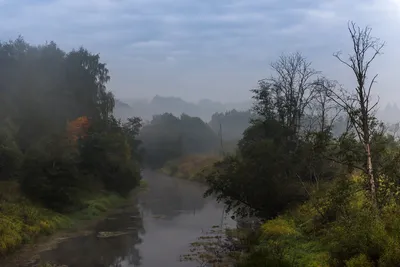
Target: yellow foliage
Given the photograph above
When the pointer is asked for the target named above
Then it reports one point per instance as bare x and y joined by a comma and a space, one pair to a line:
359, 261
356, 177
21, 221
279, 227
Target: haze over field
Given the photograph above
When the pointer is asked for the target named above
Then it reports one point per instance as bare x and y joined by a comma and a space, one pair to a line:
146, 109
205, 108
206, 49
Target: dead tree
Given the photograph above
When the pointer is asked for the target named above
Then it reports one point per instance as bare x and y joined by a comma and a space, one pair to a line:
358, 105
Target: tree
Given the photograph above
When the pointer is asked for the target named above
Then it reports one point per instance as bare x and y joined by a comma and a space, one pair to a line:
233, 123
168, 137
262, 178
10, 154
132, 129
56, 122
286, 95
358, 105
278, 154
323, 108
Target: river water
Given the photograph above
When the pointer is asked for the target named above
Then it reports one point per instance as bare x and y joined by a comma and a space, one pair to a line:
158, 227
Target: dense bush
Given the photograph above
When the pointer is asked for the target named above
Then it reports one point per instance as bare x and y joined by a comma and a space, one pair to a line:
253, 178
22, 221
11, 156
50, 173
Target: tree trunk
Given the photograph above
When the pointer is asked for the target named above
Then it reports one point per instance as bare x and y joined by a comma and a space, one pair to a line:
371, 175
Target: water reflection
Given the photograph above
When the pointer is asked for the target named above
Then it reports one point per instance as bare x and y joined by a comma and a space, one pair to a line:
159, 227
175, 214
170, 197
91, 250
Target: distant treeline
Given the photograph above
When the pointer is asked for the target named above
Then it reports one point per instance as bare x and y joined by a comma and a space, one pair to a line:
204, 109
168, 137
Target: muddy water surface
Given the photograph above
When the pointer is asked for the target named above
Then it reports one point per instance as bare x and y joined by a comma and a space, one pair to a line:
152, 231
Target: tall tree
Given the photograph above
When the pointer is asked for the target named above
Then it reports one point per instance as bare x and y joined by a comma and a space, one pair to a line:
358, 105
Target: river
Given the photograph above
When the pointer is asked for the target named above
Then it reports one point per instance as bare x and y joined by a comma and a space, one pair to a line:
158, 225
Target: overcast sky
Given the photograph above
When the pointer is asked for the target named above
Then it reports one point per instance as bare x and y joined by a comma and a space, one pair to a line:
215, 49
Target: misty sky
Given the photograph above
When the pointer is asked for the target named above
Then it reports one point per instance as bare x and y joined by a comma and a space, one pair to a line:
214, 49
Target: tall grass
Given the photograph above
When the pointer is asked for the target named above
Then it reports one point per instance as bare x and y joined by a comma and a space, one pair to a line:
190, 167
22, 221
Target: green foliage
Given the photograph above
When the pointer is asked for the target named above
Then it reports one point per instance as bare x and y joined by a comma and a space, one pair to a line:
359, 261
254, 178
359, 234
108, 155
96, 205
50, 174
336, 227
231, 124
57, 134
143, 185
59, 143
168, 137
11, 156
282, 241
21, 221
308, 181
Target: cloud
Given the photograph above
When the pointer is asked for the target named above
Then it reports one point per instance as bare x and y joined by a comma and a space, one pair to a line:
150, 44
224, 46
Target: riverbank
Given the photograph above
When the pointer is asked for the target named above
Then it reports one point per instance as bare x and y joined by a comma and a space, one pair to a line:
24, 225
168, 207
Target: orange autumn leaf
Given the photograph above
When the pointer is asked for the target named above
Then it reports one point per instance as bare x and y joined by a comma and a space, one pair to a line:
78, 128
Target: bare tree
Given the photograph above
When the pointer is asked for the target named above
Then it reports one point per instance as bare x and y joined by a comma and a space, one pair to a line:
287, 93
324, 108
358, 105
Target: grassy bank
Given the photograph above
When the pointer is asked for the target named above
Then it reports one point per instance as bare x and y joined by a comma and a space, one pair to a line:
190, 167
336, 227
22, 222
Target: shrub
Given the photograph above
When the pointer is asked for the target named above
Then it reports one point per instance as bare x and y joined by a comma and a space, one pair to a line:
21, 222
10, 155
50, 174
360, 260
193, 167
282, 244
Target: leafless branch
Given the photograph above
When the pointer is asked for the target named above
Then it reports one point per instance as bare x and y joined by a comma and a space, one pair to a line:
358, 105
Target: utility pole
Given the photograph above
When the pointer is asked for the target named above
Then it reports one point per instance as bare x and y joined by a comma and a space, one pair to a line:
220, 138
